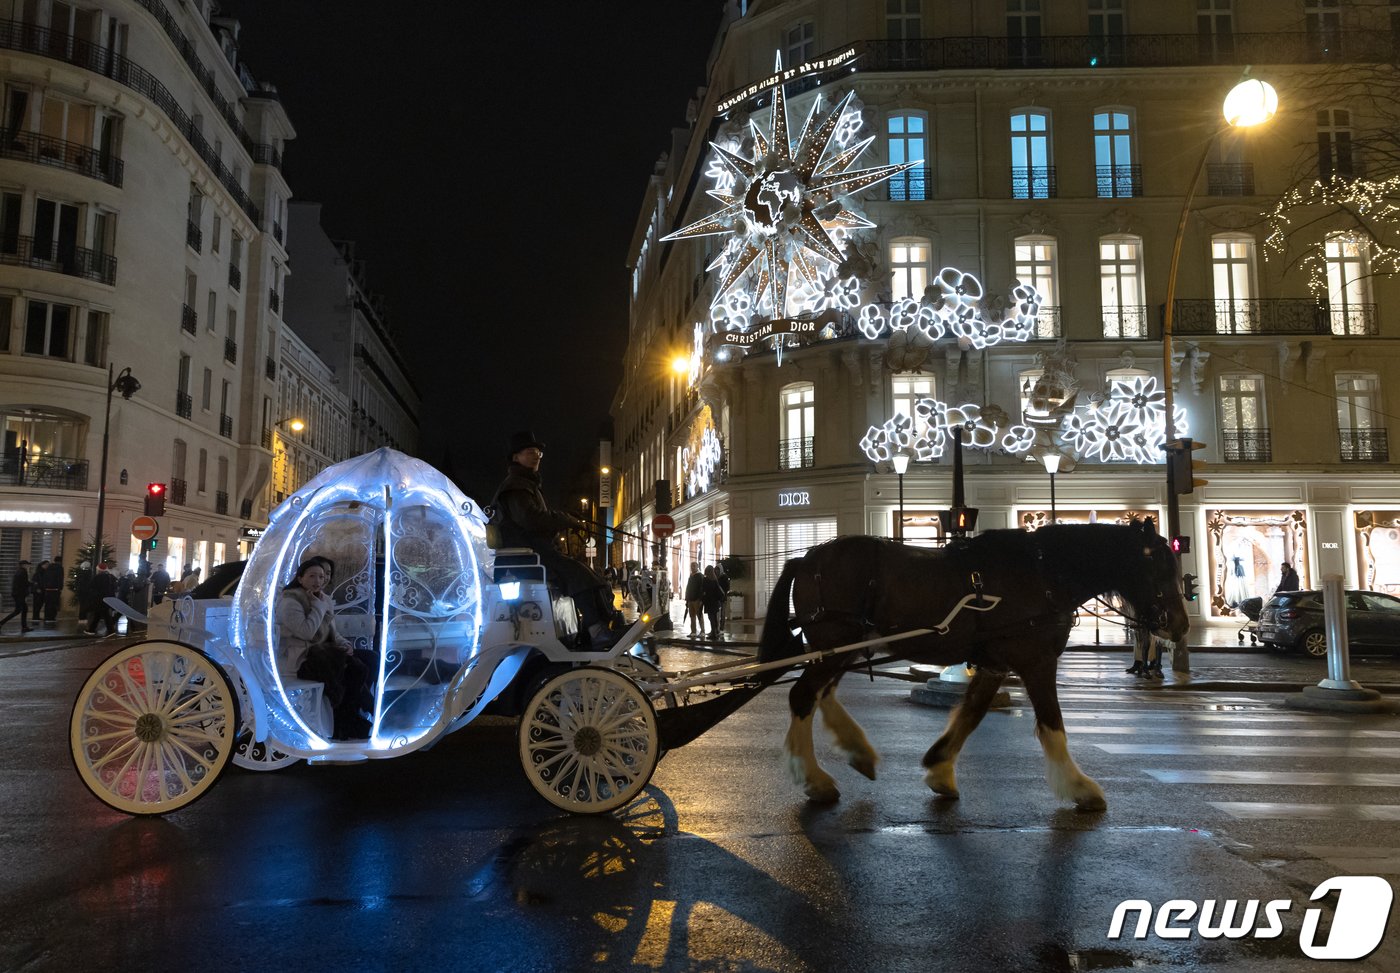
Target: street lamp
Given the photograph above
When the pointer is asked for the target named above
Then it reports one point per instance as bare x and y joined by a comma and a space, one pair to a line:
901, 466
295, 425
1251, 102
1052, 466
126, 384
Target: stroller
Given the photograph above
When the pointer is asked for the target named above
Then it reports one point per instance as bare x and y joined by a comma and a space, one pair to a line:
1250, 609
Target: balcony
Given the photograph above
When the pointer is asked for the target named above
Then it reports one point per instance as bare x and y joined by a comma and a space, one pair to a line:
179, 489
1354, 320
44, 472
1117, 181
1036, 182
1127, 321
189, 319
245, 509
909, 186
1280, 316
274, 300
1047, 324
796, 454
267, 439
221, 502
270, 368
266, 155
235, 277
1246, 446
277, 231
194, 239
82, 159
230, 351
184, 405
58, 257
1363, 445
226, 426
1230, 179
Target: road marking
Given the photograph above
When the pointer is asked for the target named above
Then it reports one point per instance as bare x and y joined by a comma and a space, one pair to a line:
1230, 731
1253, 810
1234, 750
1274, 778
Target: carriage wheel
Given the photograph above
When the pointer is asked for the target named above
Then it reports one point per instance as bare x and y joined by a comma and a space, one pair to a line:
153, 727
639, 668
588, 740
247, 752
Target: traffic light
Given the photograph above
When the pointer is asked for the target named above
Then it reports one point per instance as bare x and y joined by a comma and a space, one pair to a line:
1181, 544
663, 496
958, 520
151, 544
155, 499
1188, 587
1182, 468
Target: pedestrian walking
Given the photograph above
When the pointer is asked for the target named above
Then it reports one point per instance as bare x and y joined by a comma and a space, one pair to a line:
53, 591
19, 591
36, 591
160, 584
695, 600
104, 585
712, 595
723, 578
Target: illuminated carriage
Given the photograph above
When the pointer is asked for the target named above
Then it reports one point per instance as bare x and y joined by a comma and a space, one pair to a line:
453, 628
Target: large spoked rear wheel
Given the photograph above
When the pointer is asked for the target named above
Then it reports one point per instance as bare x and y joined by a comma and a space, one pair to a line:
153, 727
588, 740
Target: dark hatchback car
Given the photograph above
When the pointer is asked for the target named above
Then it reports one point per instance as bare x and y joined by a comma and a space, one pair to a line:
1292, 621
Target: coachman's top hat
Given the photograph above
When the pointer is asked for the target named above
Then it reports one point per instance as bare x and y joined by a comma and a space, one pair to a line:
524, 440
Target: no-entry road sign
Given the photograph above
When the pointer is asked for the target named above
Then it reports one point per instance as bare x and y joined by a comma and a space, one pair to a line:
144, 528
663, 525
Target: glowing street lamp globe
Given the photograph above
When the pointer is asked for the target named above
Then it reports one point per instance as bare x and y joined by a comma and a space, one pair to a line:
1250, 102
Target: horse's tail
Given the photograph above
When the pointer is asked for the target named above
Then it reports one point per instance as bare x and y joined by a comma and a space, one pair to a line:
778, 640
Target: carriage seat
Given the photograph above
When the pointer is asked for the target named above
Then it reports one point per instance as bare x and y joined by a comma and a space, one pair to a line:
523, 565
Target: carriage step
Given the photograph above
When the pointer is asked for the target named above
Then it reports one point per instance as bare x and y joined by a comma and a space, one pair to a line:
334, 758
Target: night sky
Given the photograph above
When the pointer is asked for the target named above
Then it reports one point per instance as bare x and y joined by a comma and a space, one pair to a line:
490, 162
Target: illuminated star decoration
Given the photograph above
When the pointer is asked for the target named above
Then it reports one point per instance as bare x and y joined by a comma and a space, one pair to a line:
783, 211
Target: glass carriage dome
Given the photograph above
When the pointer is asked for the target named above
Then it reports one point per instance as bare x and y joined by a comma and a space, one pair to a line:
409, 554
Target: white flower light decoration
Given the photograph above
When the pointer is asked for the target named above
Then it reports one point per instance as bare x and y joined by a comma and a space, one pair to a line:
937, 420
704, 463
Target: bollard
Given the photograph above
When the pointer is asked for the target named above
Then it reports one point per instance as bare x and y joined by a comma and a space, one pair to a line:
1338, 692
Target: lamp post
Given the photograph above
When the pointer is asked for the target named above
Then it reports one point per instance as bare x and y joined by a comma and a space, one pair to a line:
127, 385
1052, 466
1251, 102
900, 461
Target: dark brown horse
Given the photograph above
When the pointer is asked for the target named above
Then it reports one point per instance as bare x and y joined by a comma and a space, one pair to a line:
1018, 592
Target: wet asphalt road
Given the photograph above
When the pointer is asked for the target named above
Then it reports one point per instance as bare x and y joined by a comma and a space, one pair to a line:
447, 860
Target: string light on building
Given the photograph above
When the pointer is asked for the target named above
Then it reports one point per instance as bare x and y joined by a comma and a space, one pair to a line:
1367, 203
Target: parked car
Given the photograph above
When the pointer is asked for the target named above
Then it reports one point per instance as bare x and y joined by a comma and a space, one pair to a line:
1292, 621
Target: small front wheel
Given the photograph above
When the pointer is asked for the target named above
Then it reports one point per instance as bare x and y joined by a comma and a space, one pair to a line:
1315, 643
588, 740
153, 727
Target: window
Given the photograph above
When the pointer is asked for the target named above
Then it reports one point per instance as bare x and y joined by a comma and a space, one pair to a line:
202, 483
7, 305
1232, 274
1107, 28
1349, 286
1334, 144
48, 330
906, 390
217, 231
56, 234
9, 222
211, 321
908, 142
1037, 264
232, 322
183, 378
1023, 32
1031, 174
909, 268
1244, 434
206, 396
1120, 287
1113, 154
1323, 22
1215, 26
800, 43
904, 25
798, 420
95, 341
1359, 427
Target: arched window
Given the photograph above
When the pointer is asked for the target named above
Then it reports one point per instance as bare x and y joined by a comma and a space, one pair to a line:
1115, 172
1038, 264
906, 135
1032, 175
797, 420
909, 267
1232, 277
1120, 287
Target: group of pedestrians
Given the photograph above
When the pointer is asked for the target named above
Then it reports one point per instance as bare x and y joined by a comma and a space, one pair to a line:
43, 589
705, 594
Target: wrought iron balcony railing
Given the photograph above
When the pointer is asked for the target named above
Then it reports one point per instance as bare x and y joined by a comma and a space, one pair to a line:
179, 489
1357, 320
189, 319
274, 300
909, 185
230, 351
58, 257
1035, 182
235, 277
194, 238
245, 508
1116, 181
45, 472
1246, 446
1230, 179
1276, 315
184, 405
270, 368
226, 426
267, 439
1363, 445
73, 156
1047, 323
1127, 321
796, 454
220, 502
266, 155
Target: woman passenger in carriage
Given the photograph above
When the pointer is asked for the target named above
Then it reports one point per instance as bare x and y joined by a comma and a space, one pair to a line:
310, 647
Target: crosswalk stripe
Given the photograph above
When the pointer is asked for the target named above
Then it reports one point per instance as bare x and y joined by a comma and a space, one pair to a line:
1236, 716
1274, 778
1232, 731
1235, 750
1253, 810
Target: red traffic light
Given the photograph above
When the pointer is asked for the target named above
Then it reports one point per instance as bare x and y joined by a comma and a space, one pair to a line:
155, 499
1181, 544
155, 489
